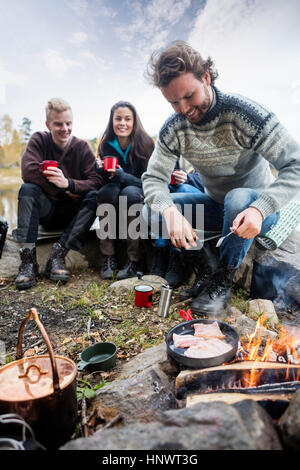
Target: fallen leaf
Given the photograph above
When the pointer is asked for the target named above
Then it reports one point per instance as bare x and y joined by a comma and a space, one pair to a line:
130, 341
67, 340
29, 352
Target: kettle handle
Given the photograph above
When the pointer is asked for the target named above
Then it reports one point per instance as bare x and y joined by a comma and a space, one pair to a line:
34, 314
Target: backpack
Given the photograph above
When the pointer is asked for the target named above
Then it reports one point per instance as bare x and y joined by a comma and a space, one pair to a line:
3, 232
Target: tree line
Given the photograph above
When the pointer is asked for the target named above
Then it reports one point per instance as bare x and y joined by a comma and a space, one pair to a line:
13, 140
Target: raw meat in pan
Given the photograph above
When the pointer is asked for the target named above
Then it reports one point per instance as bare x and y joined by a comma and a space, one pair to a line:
208, 348
208, 330
185, 341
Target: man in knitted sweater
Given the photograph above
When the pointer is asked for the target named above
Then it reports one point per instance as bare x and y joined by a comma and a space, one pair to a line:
62, 196
231, 141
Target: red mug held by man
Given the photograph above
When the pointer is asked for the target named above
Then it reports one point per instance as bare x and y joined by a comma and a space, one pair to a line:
45, 164
173, 180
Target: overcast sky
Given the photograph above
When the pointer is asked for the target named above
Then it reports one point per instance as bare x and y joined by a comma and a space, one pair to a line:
94, 52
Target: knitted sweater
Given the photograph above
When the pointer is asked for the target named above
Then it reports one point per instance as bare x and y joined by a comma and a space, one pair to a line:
231, 147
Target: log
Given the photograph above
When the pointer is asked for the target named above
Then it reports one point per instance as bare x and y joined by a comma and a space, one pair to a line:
231, 375
235, 397
274, 404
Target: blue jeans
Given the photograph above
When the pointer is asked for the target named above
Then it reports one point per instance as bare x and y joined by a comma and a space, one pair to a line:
179, 188
219, 217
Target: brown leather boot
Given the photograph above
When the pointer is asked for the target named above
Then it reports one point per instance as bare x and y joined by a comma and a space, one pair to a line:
28, 269
56, 269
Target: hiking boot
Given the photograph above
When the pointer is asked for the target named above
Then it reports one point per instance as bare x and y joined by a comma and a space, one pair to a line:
109, 267
130, 270
28, 269
160, 261
199, 284
56, 269
204, 263
203, 260
175, 275
216, 296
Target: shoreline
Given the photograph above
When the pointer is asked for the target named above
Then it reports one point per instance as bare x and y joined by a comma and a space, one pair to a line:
10, 180
10, 177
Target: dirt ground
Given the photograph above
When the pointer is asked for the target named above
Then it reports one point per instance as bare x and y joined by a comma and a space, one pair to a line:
77, 314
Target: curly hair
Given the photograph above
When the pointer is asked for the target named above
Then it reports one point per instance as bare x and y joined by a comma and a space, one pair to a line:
176, 59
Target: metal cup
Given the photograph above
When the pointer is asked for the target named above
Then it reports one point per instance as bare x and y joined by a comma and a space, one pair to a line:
143, 295
164, 302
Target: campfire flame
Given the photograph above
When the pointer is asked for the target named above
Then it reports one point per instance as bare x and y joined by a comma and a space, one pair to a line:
285, 349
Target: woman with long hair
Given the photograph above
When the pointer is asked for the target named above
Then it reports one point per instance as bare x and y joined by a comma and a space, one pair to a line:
126, 139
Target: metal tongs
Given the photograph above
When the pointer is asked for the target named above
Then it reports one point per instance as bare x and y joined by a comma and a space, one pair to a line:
220, 241
212, 237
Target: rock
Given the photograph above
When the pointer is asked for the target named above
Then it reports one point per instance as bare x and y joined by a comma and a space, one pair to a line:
9, 263
259, 424
272, 275
139, 396
293, 287
243, 275
289, 424
129, 284
278, 270
259, 307
152, 357
10, 260
214, 426
246, 326
233, 314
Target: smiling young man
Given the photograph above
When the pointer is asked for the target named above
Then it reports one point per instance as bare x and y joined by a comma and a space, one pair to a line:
62, 196
231, 141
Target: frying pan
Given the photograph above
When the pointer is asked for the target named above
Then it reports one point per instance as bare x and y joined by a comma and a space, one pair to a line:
187, 328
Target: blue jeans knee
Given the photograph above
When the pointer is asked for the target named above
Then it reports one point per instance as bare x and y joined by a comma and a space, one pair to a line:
238, 200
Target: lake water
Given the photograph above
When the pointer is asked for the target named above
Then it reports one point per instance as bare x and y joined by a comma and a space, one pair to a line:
10, 182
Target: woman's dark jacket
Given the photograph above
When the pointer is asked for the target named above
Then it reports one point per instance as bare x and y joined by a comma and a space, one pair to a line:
132, 172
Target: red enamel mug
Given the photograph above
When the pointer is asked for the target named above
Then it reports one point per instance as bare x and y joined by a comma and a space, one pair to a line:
110, 163
143, 295
173, 180
45, 164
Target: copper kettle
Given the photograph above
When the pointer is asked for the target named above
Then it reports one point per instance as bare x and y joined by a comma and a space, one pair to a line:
42, 390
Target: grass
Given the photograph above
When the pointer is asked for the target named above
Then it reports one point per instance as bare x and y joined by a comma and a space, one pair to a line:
87, 389
115, 318
129, 328
240, 299
96, 291
73, 298
57, 294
